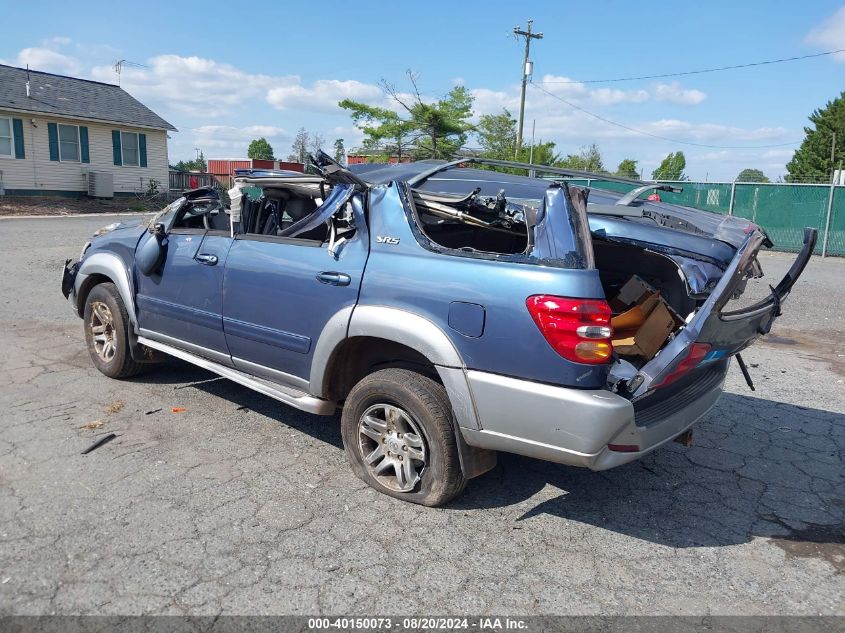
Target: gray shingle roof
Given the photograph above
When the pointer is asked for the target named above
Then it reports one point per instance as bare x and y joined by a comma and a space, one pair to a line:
69, 96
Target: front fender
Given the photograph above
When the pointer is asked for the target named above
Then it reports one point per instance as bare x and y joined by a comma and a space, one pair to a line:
111, 266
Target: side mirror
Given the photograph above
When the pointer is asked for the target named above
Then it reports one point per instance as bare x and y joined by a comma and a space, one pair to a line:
150, 253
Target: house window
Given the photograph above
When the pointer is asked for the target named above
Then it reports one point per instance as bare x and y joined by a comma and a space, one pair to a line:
129, 145
6, 140
69, 143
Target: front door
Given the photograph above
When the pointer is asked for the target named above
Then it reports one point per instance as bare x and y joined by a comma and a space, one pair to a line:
279, 292
181, 304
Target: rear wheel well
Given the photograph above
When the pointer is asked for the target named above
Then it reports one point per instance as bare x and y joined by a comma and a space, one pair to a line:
360, 356
86, 288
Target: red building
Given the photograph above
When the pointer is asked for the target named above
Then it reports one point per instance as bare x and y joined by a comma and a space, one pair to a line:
223, 168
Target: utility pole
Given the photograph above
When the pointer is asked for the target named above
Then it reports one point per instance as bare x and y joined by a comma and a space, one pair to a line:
526, 72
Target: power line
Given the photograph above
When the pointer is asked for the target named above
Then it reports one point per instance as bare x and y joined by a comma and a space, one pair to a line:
694, 72
657, 136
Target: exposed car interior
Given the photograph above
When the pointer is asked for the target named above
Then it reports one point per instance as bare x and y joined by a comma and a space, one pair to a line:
473, 223
292, 210
205, 211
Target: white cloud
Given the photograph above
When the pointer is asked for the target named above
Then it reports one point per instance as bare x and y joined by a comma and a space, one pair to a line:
830, 34
322, 95
228, 141
778, 154
193, 85
56, 41
48, 60
674, 93
612, 96
490, 101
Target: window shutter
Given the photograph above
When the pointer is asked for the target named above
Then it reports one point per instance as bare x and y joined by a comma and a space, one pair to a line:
53, 136
83, 144
17, 132
115, 145
142, 149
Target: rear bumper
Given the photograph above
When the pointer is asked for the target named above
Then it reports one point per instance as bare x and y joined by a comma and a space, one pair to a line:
571, 426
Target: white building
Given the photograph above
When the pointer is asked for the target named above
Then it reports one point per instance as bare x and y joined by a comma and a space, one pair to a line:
56, 130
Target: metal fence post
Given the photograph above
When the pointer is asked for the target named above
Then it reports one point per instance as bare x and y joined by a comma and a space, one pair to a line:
827, 221
733, 195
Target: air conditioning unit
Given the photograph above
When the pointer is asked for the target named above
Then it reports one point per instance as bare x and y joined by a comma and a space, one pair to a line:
100, 184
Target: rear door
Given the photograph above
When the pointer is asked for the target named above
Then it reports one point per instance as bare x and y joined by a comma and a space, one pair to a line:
714, 334
279, 293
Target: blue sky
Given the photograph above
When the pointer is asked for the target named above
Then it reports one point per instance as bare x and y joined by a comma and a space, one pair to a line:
225, 73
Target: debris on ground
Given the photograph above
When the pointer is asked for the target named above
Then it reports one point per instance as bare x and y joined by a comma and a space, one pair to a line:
114, 407
96, 424
53, 205
105, 439
152, 411
178, 410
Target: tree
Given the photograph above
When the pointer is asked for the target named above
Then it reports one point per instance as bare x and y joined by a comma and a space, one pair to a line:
812, 161
299, 148
672, 168
317, 143
588, 159
497, 135
198, 164
431, 130
539, 154
751, 175
384, 131
339, 151
628, 169
261, 149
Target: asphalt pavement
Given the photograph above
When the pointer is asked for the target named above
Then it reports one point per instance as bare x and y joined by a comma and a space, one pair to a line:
239, 504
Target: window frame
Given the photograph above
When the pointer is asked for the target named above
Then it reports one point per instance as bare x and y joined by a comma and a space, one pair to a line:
11, 137
78, 159
123, 162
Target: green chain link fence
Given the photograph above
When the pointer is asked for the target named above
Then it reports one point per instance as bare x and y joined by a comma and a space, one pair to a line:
782, 209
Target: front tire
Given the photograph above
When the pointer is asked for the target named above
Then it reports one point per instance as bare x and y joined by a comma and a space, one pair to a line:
107, 332
399, 437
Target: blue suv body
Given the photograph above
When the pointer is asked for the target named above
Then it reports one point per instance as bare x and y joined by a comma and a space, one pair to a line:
450, 312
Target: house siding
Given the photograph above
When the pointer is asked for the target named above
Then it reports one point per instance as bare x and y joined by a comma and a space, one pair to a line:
37, 173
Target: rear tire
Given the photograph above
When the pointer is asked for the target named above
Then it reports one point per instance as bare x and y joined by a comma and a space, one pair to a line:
106, 325
399, 437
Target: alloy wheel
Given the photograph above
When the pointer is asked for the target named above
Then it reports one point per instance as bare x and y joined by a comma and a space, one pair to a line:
392, 446
102, 331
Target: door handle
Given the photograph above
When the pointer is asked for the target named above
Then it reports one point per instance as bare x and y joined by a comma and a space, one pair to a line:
205, 258
334, 279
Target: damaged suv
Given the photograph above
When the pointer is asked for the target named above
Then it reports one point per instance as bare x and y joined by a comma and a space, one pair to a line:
449, 312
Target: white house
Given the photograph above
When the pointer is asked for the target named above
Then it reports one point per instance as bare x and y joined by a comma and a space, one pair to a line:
56, 130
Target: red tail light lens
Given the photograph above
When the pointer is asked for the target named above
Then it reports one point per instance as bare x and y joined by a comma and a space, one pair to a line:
577, 329
695, 354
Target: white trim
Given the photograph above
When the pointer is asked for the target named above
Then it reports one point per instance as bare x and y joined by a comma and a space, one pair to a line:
137, 164
78, 143
11, 153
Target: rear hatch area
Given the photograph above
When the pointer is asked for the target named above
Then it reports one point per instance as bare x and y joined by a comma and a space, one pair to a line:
696, 264
713, 332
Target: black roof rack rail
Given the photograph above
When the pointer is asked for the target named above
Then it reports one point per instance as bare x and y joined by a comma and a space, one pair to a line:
563, 171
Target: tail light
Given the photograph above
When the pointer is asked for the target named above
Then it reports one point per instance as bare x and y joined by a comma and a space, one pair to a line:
695, 354
577, 329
